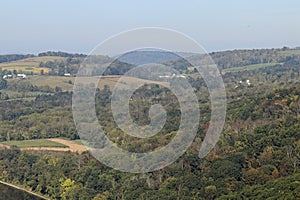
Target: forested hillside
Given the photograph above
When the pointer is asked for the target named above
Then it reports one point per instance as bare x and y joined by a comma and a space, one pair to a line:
256, 157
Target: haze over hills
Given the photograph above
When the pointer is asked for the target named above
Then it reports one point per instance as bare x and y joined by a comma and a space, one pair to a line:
223, 59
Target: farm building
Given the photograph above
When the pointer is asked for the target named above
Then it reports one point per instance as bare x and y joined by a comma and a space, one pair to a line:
22, 76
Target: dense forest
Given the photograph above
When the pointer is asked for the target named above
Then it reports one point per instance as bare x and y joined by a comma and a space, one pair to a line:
256, 157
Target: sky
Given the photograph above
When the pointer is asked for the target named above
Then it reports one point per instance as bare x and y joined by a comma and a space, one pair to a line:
34, 26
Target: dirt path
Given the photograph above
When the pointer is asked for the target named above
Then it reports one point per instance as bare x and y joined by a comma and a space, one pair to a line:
72, 146
47, 149
4, 146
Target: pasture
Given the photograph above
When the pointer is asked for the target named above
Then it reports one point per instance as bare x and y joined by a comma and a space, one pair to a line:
30, 65
34, 143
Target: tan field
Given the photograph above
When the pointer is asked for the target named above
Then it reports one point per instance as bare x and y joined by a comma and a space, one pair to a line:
52, 144
30, 64
66, 83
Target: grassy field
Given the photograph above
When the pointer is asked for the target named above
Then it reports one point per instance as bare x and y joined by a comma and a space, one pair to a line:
66, 83
52, 81
22, 95
30, 64
249, 67
34, 143
290, 52
77, 141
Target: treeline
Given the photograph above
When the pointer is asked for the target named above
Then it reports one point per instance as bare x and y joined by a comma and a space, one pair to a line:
62, 54
47, 116
239, 58
14, 57
61, 67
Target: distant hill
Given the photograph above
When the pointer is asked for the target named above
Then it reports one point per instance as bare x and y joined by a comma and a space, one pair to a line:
14, 57
59, 63
146, 57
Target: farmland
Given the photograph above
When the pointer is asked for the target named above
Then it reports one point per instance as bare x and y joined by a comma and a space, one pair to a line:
257, 151
30, 65
52, 144
34, 143
66, 83
249, 67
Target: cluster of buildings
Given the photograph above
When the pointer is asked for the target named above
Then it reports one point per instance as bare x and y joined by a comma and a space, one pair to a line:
173, 76
248, 83
20, 76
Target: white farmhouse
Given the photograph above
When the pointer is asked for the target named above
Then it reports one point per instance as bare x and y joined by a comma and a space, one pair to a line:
7, 76
22, 76
248, 82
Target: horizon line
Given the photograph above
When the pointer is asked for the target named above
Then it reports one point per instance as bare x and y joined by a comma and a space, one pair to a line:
209, 52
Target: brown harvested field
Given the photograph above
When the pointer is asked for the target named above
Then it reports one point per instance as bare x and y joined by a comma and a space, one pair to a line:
66, 83
72, 146
30, 64
69, 146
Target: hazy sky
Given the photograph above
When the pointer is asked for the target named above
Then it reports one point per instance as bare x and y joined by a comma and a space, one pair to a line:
32, 26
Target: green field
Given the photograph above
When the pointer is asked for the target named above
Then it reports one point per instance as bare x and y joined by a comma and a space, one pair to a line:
78, 141
30, 64
53, 81
249, 67
290, 52
34, 143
